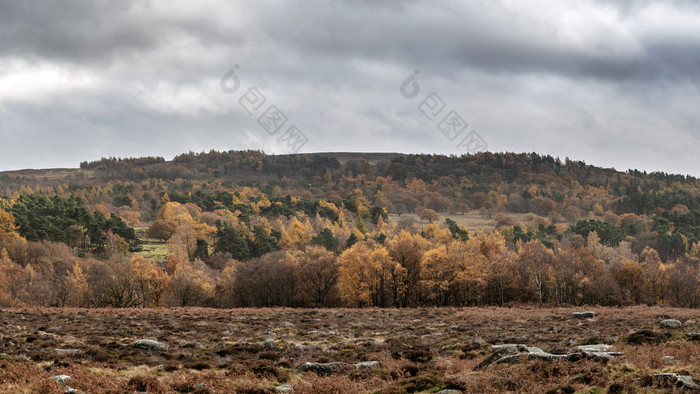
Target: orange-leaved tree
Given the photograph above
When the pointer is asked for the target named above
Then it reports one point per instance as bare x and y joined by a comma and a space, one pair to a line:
407, 250
150, 281
368, 276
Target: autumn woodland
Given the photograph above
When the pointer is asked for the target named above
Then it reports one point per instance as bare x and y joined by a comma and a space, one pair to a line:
247, 229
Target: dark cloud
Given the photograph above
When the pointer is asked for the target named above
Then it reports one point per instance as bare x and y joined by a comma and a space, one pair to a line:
72, 30
612, 83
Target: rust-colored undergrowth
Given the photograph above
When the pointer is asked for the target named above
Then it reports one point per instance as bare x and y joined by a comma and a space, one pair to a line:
418, 350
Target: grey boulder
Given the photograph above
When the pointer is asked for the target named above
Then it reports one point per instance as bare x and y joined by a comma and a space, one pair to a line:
670, 323
320, 368
150, 344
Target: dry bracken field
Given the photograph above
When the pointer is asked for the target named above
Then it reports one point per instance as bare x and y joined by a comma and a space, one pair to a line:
348, 350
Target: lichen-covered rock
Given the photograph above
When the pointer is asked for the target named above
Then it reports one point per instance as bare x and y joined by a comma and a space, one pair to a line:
513, 353
320, 368
67, 352
150, 344
63, 379
367, 365
594, 348
510, 347
583, 315
685, 381
602, 355
497, 355
670, 323
510, 359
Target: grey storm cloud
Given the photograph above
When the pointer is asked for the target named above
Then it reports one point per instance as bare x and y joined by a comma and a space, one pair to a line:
612, 83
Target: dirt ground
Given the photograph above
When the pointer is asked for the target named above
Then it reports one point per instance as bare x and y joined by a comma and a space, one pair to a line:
417, 350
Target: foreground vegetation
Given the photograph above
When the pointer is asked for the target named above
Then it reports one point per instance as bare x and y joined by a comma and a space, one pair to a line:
416, 350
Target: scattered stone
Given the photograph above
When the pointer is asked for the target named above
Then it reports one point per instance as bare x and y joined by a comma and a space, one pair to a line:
269, 334
367, 365
544, 356
693, 336
583, 315
500, 353
320, 368
67, 352
449, 391
685, 381
513, 353
669, 360
594, 348
670, 323
510, 346
602, 355
284, 388
269, 342
510, 359
287, 324
61, 378
150, 344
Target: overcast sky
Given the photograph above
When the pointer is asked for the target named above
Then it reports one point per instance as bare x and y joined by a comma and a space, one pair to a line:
613, 83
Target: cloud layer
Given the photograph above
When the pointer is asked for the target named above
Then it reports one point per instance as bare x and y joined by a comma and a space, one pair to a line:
611, 83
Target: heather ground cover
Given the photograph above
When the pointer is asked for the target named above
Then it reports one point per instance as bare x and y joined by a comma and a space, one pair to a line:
342, 350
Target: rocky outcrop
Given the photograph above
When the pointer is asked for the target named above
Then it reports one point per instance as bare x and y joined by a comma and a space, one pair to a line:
684, 381
367, 365
320, 368
513, 353
670, 323
150, 344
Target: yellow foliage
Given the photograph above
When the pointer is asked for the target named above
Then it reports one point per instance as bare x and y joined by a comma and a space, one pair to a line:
13, 281
298, 235
175, 212
435, 234
190, 286
7, 227
78, 286
416, 186
365, 273
597, 209
150, 281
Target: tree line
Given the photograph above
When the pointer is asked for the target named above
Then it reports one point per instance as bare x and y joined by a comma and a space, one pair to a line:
304, 261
